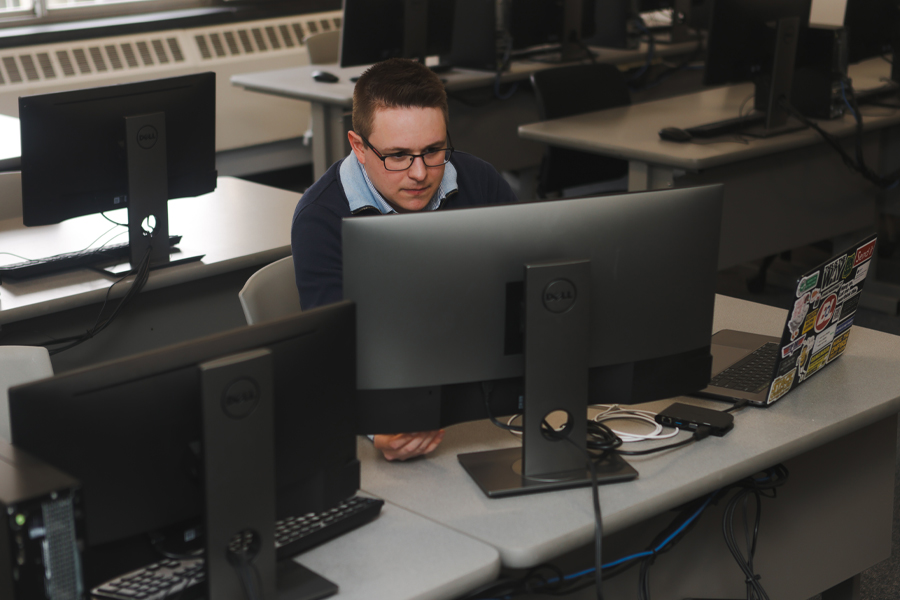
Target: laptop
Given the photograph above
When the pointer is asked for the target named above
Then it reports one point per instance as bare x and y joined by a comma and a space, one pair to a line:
761, 369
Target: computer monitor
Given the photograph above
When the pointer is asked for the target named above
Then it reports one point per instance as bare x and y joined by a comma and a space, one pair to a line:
872, 26
134, 145
130, 429
375, 30
560, 23
443, 301
756, 40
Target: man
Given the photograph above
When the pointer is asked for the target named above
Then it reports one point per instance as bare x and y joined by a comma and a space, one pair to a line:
402, 160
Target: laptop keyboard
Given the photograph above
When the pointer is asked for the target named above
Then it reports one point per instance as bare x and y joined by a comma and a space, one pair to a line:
753, 373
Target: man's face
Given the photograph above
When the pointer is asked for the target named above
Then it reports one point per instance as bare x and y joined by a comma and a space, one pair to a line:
403, 131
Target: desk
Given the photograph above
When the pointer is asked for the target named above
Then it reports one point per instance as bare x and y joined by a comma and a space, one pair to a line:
837, 434
330, 102
781, 193
10, 143
403, 556
239, 227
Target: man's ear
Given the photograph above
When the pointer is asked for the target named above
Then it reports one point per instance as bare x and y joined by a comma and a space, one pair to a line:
358, 146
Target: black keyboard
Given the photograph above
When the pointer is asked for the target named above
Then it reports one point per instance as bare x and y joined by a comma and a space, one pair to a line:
753, 373
184, 578
71, 260
294, 535
726, 127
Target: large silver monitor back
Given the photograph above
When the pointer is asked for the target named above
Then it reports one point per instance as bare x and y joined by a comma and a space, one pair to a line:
431, 288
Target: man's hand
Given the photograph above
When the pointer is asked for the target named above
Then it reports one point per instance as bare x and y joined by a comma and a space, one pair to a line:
403, 446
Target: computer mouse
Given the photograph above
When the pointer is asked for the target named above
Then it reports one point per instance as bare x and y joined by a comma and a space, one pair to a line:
674, 134
325, 77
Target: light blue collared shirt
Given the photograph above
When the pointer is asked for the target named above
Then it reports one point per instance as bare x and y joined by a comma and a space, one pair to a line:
362, 194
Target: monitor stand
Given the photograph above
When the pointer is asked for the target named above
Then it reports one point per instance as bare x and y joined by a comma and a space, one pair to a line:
557, 348
778, 121
148, 190
239, 485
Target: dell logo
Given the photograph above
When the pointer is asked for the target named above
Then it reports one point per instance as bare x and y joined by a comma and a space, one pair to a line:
147, 136
559, 295
240, 398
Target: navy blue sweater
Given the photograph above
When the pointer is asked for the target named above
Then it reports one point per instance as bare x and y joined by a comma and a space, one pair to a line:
316, 227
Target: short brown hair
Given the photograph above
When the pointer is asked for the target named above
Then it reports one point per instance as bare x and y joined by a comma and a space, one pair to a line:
396, 83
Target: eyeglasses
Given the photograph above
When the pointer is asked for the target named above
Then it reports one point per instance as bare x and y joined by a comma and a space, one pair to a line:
401, 162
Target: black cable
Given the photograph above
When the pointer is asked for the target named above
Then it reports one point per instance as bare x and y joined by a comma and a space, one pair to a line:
701, 433
141, 274
857, 163
486, 390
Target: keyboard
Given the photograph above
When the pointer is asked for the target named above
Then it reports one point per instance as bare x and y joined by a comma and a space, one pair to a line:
753, 373
185, 578
71, 260
726, 127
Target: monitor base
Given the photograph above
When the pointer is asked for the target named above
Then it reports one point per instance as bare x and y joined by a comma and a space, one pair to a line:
296, 582
499, 473
761, 131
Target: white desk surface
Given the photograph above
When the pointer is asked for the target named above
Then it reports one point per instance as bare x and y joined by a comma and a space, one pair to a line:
239, 225
401, 555
859, 389
632, 132
297, 82
10, 143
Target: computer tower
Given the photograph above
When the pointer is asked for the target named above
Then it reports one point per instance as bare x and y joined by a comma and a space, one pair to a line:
820, 67
40, 556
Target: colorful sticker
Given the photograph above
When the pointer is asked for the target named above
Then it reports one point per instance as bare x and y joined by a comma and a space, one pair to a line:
843, 326
817, 362
807, 283
801, 307
849, 306
826, 312
832, 272
788, 364
864, 253
848, 266
823, 340
804, 354
810, 321
781, 386
847, 290
792, 347
861, 273
839, 345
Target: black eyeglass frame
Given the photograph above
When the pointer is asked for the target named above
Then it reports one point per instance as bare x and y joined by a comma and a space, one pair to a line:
448, 150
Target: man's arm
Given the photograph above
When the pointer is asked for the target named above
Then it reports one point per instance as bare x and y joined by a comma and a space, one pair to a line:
318, 260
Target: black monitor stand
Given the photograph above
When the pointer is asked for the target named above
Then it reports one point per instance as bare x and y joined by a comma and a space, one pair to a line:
778, 120
557, 343
239, 486
572, 48
148, 191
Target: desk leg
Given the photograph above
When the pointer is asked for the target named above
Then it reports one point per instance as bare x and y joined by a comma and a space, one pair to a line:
845, 590
644, 176
329, 136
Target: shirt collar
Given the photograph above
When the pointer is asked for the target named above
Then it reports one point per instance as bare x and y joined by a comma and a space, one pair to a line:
362, 194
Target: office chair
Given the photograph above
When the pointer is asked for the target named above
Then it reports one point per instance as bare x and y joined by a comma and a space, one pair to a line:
323, 48
270, 293
19, 364
573, 90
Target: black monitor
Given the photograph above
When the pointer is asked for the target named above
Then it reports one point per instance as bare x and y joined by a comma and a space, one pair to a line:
756, 41
873, 27
375, 30
134, 146
443, 301
130, 430
560, 23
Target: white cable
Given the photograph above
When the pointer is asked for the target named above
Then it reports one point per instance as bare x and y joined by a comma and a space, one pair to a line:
615, 412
